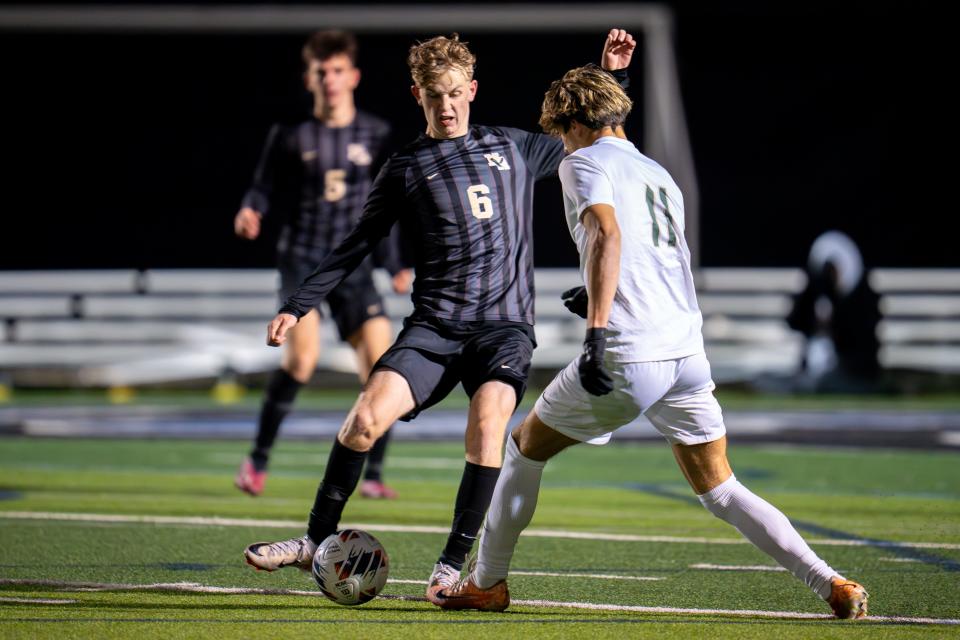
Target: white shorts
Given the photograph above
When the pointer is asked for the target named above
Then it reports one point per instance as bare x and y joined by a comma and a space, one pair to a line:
675, 395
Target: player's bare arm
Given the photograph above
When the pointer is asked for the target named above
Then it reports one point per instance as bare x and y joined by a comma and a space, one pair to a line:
603, 262
246, 223
617, 50
278, 328
602, 274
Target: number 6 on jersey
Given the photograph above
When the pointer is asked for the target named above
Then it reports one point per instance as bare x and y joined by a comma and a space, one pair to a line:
480, 204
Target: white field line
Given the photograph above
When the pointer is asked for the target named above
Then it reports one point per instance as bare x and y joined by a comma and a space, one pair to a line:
400, 528
36, 601
736, 567
900, 560
592, 576
193, 587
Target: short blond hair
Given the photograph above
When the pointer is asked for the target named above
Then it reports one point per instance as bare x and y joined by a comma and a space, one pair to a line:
431, 59
589, 95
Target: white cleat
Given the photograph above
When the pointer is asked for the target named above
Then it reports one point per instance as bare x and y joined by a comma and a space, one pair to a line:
443, 577
270, 556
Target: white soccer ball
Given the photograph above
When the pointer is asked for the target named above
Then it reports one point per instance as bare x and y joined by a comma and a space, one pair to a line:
350, 567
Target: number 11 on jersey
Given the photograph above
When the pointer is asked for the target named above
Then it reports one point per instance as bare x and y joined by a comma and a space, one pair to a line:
651, 206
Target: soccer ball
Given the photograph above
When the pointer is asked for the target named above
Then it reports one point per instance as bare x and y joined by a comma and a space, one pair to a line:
350, 567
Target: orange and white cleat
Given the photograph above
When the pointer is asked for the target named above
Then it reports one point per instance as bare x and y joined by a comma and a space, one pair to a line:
848, 599
465, 594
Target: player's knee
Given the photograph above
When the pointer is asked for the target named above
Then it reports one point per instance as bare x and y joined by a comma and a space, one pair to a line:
485, 443
301, 366
362, 429
489, 431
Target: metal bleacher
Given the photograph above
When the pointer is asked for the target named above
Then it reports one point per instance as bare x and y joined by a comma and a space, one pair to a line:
109, 328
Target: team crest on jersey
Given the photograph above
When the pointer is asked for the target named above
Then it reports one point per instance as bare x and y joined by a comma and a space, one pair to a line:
357, 154
307, 156
497, 160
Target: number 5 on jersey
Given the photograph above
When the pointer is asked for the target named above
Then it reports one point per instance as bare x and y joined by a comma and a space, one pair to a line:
480, 204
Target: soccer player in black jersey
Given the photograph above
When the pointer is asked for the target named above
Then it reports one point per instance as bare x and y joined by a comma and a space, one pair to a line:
465, 193
319, 174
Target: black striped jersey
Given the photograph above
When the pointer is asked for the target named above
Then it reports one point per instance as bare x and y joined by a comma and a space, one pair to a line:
465, 206
319, 178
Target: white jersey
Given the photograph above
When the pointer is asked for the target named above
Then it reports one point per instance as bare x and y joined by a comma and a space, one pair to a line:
655, 315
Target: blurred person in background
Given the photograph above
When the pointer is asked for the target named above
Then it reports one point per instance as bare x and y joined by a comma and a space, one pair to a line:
838, 313
317, 174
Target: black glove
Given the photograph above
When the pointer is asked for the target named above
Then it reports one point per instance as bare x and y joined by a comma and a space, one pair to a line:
576, 301
593, 376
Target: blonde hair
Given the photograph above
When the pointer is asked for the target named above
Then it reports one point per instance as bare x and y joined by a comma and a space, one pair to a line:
431, 59
588, 95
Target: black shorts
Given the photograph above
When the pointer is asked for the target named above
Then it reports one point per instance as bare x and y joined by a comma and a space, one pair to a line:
352, 303
434, 355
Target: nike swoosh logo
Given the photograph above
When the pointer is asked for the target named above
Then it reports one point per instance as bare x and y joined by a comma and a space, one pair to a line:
431, 177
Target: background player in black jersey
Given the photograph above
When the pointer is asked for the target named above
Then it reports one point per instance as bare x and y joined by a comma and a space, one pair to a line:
465, 192
319, 174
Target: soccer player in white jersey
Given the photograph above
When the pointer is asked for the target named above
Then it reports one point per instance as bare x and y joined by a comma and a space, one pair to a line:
643, 352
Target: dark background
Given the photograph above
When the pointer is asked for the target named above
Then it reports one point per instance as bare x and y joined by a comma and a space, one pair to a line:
133, 150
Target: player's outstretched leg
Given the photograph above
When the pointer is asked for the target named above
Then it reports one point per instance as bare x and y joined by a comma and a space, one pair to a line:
339, 480
765, 526
386, 397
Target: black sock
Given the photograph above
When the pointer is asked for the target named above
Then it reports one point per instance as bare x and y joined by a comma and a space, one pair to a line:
339, 481
374, 470
278, 399
473, 499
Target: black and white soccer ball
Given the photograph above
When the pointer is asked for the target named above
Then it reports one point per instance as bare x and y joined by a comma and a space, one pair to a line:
350, 567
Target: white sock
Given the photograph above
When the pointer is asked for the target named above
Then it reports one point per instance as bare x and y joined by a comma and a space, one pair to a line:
770, 531
511, 509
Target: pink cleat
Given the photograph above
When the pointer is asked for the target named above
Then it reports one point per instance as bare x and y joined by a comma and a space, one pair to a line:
249, 480
376, 489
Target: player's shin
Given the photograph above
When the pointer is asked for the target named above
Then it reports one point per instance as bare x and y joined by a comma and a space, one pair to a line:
473, 497
511, 509
339, 481
770, 531
280, 394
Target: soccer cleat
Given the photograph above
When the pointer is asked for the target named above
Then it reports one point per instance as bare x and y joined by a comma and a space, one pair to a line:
249, 480
376, 489
465, 594
443, 577
270, 556
847, 599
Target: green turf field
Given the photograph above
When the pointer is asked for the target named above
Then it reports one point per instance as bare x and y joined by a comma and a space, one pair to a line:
164, 569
